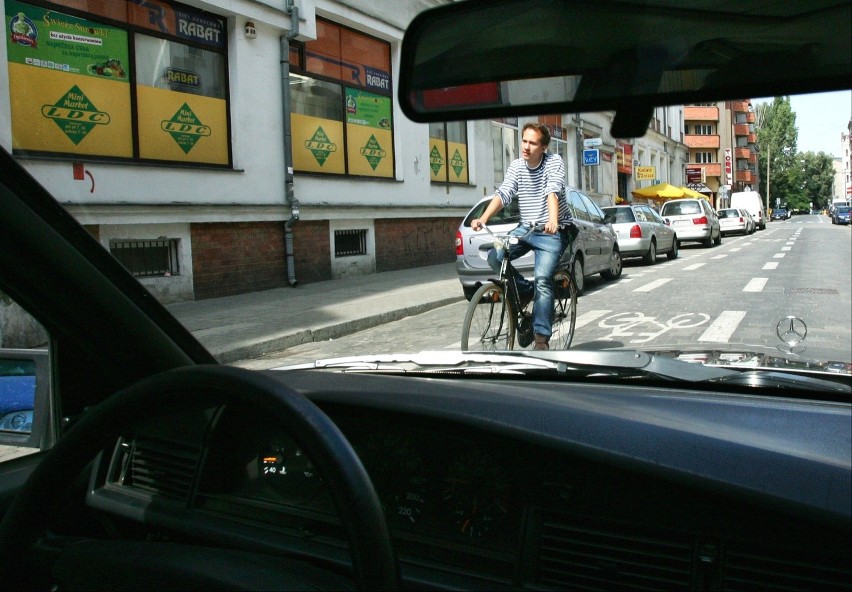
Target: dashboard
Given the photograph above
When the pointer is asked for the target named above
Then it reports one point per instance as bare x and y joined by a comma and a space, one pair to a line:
504, 484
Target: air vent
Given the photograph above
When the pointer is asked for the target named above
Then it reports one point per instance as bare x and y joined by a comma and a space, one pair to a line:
161, 467
783, 570
588, 558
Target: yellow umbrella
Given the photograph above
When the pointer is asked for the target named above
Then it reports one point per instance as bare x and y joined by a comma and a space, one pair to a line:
659, 191
692, 192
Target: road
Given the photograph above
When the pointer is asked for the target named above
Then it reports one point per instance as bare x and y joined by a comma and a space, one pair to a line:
735, 293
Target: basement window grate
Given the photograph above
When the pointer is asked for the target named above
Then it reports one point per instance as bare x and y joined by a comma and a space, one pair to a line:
349, 243
147, 258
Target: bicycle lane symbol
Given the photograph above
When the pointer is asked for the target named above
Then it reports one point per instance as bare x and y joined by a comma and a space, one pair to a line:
645, 328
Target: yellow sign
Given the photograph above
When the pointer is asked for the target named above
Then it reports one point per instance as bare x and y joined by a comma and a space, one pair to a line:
646, 173
69, 113
181, 127
438, 160
317, 145
370, 151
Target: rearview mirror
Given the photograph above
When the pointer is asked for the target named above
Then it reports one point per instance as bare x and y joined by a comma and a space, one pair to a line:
481, 59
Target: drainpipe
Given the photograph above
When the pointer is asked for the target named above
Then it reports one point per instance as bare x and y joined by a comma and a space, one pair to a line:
289, 196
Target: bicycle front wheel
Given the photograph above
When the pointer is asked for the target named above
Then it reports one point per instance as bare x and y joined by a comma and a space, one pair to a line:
564, 310
489, 324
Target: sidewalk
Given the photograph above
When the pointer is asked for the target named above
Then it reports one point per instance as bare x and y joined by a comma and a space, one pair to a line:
251, 325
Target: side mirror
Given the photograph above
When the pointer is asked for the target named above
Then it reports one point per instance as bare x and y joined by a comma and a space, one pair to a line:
667, 221
24, 396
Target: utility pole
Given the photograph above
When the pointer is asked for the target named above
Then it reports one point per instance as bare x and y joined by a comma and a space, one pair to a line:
768, 152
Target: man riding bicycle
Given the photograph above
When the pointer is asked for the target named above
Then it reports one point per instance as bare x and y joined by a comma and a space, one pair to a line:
537, 179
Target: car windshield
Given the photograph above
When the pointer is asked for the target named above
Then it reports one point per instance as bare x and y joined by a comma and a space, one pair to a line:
284, 227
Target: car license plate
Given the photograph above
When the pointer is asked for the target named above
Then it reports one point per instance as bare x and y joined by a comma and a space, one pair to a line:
681, 222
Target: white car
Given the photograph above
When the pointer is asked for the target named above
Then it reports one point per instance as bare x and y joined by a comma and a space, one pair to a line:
694, 220
642, 232
734, 220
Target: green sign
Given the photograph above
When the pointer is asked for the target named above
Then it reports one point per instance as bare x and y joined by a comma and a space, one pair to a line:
320, 145
373, 152
457, 163
44, 38
368, 109
75, 114
185, 128
435, 160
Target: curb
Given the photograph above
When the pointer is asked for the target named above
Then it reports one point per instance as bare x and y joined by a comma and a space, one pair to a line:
267, 345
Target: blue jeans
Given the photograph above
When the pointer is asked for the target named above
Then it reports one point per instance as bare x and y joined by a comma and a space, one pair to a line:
548, 249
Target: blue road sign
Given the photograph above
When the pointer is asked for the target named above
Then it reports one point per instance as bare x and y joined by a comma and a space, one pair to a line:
591, 157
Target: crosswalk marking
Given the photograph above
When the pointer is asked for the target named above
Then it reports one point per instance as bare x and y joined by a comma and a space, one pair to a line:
771, 265
779, 255
653, 285
723, 327
755, 285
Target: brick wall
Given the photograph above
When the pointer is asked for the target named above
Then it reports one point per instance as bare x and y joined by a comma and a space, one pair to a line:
233, 258
402, 243
312, 251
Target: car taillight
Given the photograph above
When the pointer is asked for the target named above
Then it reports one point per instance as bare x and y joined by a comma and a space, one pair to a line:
459, 244
741, 219
636, 231
701, 220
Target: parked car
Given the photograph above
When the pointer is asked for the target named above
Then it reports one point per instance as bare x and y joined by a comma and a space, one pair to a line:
841, 215
693, 219
596, 248
641, 232
733, 220
752, 225
779, 214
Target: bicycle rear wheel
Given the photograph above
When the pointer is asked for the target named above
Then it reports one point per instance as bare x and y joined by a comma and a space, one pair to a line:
489, 324
564, 310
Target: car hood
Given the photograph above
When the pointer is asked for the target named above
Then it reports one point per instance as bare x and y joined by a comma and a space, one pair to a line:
739, 368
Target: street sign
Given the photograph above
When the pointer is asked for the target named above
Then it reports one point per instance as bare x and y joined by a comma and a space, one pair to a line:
592, 142
591, 157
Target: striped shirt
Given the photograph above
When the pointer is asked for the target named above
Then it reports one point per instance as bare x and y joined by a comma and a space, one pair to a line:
532, 186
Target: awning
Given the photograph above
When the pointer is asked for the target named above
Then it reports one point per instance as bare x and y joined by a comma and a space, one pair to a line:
659, 191
691, 192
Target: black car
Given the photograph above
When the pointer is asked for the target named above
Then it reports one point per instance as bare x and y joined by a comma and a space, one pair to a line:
779, 214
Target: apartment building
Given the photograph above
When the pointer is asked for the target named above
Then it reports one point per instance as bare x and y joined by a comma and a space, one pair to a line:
721, 141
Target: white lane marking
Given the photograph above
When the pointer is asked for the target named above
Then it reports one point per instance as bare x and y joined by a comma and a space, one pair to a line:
779, 255
734, 250
723, 327
590, 317
786, 248
653, 285
693, 267
719, 257
771, 265
755, 285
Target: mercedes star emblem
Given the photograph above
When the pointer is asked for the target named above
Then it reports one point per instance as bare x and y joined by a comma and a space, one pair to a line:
791, 331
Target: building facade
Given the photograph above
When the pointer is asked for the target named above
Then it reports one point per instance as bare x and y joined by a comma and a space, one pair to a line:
124, 109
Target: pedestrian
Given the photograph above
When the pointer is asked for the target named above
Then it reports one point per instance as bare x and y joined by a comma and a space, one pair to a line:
537, 180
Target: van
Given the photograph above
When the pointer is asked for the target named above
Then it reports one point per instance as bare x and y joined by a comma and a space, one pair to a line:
753, 204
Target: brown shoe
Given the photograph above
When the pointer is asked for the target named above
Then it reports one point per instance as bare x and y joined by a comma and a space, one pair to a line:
542, 342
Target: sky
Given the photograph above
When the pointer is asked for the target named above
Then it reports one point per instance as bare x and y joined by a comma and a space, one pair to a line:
820, 118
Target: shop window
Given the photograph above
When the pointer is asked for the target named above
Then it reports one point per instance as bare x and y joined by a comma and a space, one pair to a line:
341, 104
177, 80
504, 146
448, 162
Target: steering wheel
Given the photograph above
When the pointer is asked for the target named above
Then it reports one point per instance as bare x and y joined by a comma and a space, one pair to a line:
373, 558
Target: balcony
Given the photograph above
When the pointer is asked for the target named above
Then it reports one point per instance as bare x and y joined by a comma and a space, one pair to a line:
739, 106
742, 152
751, 117
752, 138
741, 129
694, 141
744, 177
700, 113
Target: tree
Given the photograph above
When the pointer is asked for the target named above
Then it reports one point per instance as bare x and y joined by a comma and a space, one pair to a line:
817, 180
775, 125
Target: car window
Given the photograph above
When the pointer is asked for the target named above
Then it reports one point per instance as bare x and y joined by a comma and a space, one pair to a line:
651, 215
619, 215
578, 206
595, 213
507, 215
681, 208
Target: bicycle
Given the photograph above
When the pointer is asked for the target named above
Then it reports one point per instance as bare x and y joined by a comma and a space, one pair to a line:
495, 317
